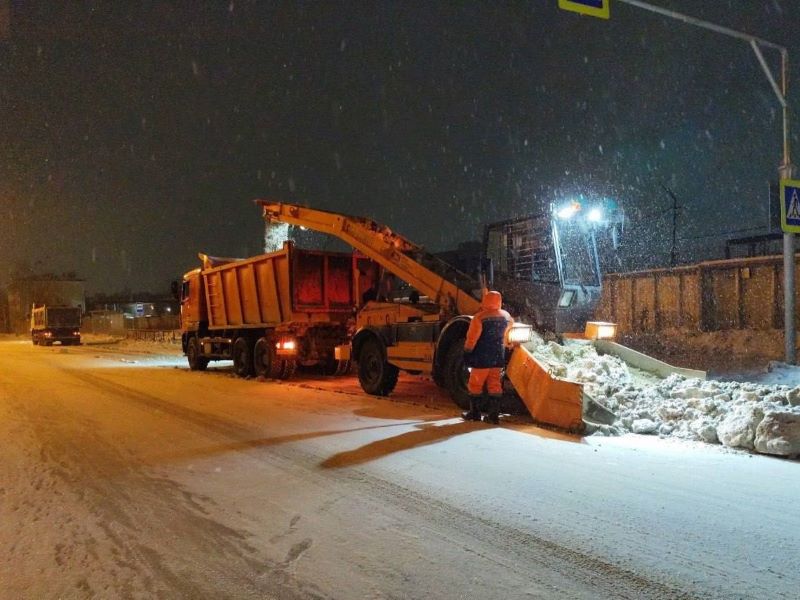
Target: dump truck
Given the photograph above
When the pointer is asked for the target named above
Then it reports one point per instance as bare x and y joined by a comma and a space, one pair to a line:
272, 312
424, 332
50, 324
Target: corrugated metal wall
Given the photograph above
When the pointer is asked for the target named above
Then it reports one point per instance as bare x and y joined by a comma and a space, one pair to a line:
745, 293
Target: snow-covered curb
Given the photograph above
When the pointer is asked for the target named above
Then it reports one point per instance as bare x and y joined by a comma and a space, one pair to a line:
753, 416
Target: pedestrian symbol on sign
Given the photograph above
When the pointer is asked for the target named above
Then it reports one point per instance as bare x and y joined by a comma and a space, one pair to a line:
790, 206
794, 210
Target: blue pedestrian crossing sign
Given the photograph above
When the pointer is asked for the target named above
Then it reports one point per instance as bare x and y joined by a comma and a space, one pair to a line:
594, 8
790, 205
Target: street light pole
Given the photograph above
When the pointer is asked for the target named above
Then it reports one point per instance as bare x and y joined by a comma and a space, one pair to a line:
790, 333
785, 170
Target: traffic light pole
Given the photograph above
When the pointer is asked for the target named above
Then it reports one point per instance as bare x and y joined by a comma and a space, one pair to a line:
785, 170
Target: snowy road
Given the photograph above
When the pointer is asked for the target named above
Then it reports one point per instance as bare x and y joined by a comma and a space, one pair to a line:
129, 476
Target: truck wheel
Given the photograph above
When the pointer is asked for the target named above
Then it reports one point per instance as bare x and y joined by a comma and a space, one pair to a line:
456, 374
197, 362
265, 360
376, 376
329, 366
343, 367
289, 368
335, 367
242, 357
262, 358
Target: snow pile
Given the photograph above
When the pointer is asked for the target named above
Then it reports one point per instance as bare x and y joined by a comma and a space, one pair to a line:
121, 344
754, 416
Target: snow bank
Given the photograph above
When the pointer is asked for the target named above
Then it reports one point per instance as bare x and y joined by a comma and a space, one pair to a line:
121, 344
753, 416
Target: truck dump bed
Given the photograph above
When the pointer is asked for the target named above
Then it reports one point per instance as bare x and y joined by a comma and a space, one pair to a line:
290, 285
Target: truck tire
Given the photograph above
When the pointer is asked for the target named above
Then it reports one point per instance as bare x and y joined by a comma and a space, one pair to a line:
242, 357
197, 362
343, 367
289, 368
262, 358
335, 367
456, 374
376, 376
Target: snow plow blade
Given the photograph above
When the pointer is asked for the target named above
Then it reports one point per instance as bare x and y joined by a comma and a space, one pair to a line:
644, 362
552, 400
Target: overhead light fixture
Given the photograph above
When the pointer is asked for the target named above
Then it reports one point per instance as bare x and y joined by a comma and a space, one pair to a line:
568, 211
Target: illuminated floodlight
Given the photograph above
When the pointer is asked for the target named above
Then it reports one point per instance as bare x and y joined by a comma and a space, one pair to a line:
595, 215
568, 211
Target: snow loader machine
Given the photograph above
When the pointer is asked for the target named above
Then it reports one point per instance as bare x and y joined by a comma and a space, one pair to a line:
548, 265
424, 332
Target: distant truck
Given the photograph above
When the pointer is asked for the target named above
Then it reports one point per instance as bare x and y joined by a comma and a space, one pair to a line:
274, 312
51, 324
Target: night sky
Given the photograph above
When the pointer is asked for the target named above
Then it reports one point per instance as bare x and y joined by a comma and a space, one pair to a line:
135, 134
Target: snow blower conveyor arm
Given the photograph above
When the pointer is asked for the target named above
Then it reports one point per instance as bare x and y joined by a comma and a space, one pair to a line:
445, 285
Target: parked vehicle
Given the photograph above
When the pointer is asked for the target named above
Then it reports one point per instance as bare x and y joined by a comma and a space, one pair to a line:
50, 324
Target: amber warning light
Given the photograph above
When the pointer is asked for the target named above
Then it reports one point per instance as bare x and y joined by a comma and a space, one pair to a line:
598, 330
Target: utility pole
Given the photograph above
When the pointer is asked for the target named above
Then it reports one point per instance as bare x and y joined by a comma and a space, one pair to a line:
785, 170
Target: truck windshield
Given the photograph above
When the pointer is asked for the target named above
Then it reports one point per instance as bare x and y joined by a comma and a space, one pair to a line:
63, 317
578, 253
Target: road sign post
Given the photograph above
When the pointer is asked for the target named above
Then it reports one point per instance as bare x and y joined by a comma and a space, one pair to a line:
790, 223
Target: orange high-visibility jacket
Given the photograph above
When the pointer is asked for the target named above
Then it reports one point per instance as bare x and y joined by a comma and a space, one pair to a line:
486, 335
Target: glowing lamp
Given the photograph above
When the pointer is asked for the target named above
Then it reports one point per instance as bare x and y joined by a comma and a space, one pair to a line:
568, 211
598, 330
519, 334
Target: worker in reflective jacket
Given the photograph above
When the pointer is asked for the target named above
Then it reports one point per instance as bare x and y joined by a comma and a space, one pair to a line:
484, 352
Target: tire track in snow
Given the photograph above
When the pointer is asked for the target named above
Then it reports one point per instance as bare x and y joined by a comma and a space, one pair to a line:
510, 548
129, 506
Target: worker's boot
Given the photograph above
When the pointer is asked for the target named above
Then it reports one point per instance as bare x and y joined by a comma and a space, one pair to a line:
474, 412
493, 415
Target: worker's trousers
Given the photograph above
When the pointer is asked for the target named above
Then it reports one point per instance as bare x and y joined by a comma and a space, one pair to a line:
478, 378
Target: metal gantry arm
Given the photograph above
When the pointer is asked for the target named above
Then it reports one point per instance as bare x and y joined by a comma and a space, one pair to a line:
390, 250
785, 170
756, 43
